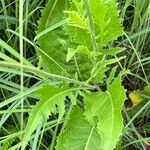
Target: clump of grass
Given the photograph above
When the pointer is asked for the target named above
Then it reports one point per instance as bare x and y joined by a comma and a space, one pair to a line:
136, 18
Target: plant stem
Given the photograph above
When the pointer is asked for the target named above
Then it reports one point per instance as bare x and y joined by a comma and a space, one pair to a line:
42, 73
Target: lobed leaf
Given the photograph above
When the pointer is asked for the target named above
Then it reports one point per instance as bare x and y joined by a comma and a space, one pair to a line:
51, 42
51, 101
107, 22
104, 110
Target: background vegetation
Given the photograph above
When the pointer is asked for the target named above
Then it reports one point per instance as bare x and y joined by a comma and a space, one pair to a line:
135, 15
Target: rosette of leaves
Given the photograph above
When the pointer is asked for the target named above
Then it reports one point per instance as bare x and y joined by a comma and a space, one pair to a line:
74, 39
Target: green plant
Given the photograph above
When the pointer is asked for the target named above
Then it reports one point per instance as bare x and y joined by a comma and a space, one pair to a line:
136, 22
75, 40
78, 81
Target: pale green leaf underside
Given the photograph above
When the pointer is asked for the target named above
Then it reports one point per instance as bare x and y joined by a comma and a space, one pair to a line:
70, 54
106, 108
78, 134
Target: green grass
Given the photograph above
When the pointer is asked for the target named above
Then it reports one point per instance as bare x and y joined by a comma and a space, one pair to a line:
19, 77
136, 16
